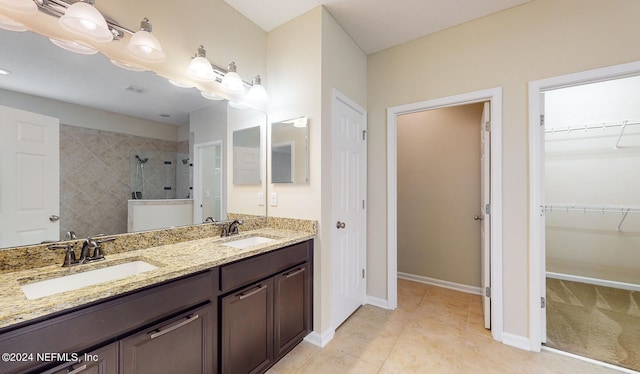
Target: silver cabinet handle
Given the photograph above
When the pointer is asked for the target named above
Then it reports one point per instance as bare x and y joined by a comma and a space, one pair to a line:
340, 225
54, 218
296, 272
159, 332
244, 295
77, 370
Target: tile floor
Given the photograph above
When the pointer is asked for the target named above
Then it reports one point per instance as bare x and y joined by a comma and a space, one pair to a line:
434, 330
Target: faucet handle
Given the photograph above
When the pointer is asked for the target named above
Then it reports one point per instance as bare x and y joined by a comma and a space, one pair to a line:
70, 255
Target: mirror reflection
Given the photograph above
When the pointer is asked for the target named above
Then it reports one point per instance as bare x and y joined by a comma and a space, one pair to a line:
246, 156
290, 151
107, 116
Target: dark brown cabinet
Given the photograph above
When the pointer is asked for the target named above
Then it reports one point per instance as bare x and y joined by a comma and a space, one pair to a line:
247, 329
292, 308
180, 345
264, 320
100, 361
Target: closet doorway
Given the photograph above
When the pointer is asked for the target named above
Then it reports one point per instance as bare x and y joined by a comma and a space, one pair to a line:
589, 178
493, 168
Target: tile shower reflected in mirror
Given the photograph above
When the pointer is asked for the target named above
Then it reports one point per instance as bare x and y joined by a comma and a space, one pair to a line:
159, 175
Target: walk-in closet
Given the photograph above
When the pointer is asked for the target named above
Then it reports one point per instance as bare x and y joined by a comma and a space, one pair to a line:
592, 215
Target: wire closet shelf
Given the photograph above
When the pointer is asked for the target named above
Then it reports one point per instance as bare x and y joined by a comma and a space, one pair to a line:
623, 211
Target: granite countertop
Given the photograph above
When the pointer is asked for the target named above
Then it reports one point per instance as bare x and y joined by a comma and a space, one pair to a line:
172, 261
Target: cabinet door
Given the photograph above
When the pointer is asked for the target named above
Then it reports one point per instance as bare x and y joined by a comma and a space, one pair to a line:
181, 345
292, 308
247, 329
100, 361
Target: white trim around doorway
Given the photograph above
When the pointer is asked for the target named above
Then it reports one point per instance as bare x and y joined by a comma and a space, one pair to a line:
536, 182
494, 96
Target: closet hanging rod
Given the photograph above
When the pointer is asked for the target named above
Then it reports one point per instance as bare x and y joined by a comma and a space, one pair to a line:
593, 126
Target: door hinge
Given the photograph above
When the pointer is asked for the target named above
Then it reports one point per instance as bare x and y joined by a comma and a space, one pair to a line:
543, 210
362, 273
487, 126
487, 208
364, 134
542, 120
362, 204
487, 291
543, 302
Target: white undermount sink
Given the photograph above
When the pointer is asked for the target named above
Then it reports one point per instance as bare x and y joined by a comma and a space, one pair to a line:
248, 242
87, 278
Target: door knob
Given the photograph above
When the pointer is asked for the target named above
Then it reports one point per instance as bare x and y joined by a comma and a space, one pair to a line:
54, 218
340, 225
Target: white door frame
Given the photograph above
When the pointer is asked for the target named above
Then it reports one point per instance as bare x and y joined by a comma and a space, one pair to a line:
494, 96
536, 182
197, 180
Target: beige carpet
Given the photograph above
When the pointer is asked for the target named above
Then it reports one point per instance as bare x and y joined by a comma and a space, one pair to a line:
593, 321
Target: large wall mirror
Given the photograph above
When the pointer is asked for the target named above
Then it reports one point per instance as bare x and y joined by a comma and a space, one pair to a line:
290, 151
123, 136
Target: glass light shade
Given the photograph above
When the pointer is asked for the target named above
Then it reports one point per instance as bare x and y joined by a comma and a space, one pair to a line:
200, 69
20, 6
181, 84
145, 46
9, 24
258, 93
211, 96
84, 19
237, 105
232, 82
75, 47
127, 66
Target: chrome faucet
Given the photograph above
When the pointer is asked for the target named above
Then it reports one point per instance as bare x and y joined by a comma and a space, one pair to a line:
233, 227
95, 245
228, 228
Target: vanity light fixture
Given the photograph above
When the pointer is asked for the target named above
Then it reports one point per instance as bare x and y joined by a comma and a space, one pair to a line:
74, 46
82, 18
144, 45
200, 68
232, 81
257, 91
19, 6
9, 24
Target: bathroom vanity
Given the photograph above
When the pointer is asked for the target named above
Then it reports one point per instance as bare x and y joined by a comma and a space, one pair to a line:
221, 310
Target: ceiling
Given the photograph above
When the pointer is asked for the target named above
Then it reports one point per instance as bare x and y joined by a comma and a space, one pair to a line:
376, 24
373, 24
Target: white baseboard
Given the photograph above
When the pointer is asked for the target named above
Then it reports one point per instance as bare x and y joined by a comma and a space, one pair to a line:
320, 339
376, 301
594, 281
441, 283
516, 341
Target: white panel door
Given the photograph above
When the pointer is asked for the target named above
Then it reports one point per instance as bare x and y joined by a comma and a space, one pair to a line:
30, 178
349, 214
485, 201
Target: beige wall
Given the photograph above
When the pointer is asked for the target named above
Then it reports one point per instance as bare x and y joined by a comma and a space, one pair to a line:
307, 58
540, 39
439, 193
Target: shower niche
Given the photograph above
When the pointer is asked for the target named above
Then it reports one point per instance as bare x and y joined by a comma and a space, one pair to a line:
159, 175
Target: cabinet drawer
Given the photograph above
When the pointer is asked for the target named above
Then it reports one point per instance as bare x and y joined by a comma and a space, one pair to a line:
181, 345
101, 361
93, 325
244, 272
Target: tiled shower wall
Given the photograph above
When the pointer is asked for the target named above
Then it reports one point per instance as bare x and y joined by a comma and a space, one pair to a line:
95, 178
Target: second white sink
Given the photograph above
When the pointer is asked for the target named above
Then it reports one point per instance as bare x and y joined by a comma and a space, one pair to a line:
248, 242
87, 278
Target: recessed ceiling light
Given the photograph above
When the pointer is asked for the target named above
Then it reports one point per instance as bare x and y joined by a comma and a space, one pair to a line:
4, 72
